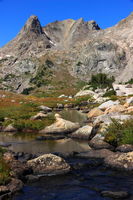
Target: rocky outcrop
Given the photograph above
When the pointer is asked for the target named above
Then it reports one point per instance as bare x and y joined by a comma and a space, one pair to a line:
48, 165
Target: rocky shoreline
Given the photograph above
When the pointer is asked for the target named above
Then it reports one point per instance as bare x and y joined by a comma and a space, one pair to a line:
27, 168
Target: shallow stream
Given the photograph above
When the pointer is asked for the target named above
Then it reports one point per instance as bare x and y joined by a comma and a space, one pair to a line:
83, 184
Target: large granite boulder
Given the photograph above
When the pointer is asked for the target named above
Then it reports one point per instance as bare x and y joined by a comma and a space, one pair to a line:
38, 116
96, 143
120, 161
83, 132
48, 165
115, 108
45, 109
106, 118
61, 126
108, 104
95, 112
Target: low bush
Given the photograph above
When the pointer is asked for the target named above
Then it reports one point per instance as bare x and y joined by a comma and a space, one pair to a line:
130, 81
4, 169
109, 93
118, 133
101, 80
35, 125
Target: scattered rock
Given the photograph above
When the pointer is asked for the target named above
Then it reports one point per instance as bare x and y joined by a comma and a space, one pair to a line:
129, 109
32, 178
61, 126
106, 118
102, 153
83, 132
10, 128
45, 109
124, 89
95, 112
100, 144
125, 148
115, 195
3, 144
129, 100
84, 93
115, 108
38, 116
70, 105
18, 168
108, 104
60, 106
4, 189
15, 185
49, 164
50, 137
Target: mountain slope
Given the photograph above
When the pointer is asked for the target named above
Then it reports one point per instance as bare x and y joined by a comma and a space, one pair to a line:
64, 53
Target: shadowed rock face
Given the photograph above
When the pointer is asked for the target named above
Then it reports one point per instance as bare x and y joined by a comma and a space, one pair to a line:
81, 48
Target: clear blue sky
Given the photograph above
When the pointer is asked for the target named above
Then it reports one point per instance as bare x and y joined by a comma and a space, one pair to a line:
14, 13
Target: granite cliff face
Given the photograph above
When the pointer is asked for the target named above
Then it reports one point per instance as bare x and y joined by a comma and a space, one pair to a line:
65, 52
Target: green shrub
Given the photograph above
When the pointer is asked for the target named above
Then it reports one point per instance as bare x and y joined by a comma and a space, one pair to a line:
109, 93
101, 80
4, 172
118, 133
35, 125
4, 169
130, 81
79, 100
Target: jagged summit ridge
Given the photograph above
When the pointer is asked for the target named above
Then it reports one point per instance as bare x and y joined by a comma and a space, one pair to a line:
75, 49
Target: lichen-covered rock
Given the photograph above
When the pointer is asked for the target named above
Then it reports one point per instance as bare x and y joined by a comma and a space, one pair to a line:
120, 161
49, 164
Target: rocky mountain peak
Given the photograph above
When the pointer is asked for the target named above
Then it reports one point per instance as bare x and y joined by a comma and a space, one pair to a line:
74, 47
32, 26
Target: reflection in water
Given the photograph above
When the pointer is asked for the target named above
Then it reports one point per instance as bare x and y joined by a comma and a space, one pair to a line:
25, 142
73, 116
